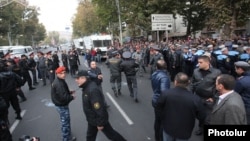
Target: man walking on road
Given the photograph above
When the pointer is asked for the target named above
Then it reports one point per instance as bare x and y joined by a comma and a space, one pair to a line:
160, 82
94, 109
61, 96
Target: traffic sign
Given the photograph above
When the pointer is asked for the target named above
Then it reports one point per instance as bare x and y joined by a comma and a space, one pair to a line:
162, 18
161, 26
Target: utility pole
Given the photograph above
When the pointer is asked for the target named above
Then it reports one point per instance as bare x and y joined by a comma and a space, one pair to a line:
119, 17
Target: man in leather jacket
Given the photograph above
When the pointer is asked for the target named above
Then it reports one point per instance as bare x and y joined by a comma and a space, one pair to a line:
203, 84
61, 96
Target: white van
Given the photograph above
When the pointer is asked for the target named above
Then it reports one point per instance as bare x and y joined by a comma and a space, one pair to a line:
17, 51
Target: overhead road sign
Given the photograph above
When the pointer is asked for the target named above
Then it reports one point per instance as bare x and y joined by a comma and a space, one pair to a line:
161, 26
162, 18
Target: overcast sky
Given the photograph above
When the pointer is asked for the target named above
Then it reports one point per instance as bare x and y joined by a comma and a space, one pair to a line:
55, 15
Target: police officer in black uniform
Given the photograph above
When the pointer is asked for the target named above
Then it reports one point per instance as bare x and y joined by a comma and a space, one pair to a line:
94, 109
128, 66
32, 66
24, 66
50, 67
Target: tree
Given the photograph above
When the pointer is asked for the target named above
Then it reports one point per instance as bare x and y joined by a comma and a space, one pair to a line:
228, 13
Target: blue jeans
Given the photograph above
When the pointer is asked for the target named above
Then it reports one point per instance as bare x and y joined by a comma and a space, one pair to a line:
167, 137
65, 122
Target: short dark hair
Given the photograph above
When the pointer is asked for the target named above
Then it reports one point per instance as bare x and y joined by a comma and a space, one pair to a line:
228, 81
161, 65
182, 79
204, 57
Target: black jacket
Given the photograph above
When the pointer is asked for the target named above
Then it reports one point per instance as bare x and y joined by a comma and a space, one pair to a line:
128, 67
179, 109
204, 86
60, 93
93, 104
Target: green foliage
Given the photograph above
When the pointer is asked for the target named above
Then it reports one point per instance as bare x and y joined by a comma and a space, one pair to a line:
21, 23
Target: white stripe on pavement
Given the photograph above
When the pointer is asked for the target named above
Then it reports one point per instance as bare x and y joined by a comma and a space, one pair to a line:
14, 125
130, 122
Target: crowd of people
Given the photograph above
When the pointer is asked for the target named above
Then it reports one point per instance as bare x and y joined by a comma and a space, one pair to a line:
209, 79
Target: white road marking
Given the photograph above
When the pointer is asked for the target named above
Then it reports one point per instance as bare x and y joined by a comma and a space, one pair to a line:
14, 125
130, 122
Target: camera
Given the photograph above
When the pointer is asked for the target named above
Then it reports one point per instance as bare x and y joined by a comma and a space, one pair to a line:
28, 138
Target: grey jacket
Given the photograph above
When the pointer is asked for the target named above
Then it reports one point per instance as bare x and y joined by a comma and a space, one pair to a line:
230, 111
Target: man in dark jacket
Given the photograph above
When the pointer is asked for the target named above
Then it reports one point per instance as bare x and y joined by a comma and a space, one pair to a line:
94, 109
9, 81
61, 96
128, 66
203, 84
177, 103
160, 82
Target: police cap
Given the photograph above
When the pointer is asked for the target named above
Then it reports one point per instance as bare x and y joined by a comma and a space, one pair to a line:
241, 64
126, 54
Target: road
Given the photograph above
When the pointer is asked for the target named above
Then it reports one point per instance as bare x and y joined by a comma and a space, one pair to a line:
133, 120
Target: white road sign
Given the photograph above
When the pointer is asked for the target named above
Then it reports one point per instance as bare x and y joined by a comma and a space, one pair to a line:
161, 26
162, 18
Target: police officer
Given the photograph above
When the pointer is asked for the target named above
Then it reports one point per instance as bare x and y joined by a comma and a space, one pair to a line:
73, 63
224, 62
128, 66
42, 67
115, 71
243, 84
24, 66
94, 109
50, 67
156, 56
9, 82
32, 66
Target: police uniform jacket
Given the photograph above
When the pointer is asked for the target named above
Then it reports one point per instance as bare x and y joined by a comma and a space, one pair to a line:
114, 66
93, 104
9, 81
128, 66
50, 65
243, 88
204, 85
32, 63
60, 93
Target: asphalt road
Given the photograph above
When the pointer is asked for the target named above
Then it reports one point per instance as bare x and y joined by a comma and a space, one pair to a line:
133, 120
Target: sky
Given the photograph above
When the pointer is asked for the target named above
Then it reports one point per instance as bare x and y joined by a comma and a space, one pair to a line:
56, 15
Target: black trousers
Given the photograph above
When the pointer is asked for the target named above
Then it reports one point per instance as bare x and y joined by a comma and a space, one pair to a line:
107, 130
158, 125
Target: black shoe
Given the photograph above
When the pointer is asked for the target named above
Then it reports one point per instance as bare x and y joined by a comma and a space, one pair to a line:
119, 93
198, 132
73, 139
23, 99
44, 84
32, 88
116, 95
19, 117
131, 95
136, 100
107, 106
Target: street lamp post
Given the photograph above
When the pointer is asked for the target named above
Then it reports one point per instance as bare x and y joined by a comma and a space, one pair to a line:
119, 18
